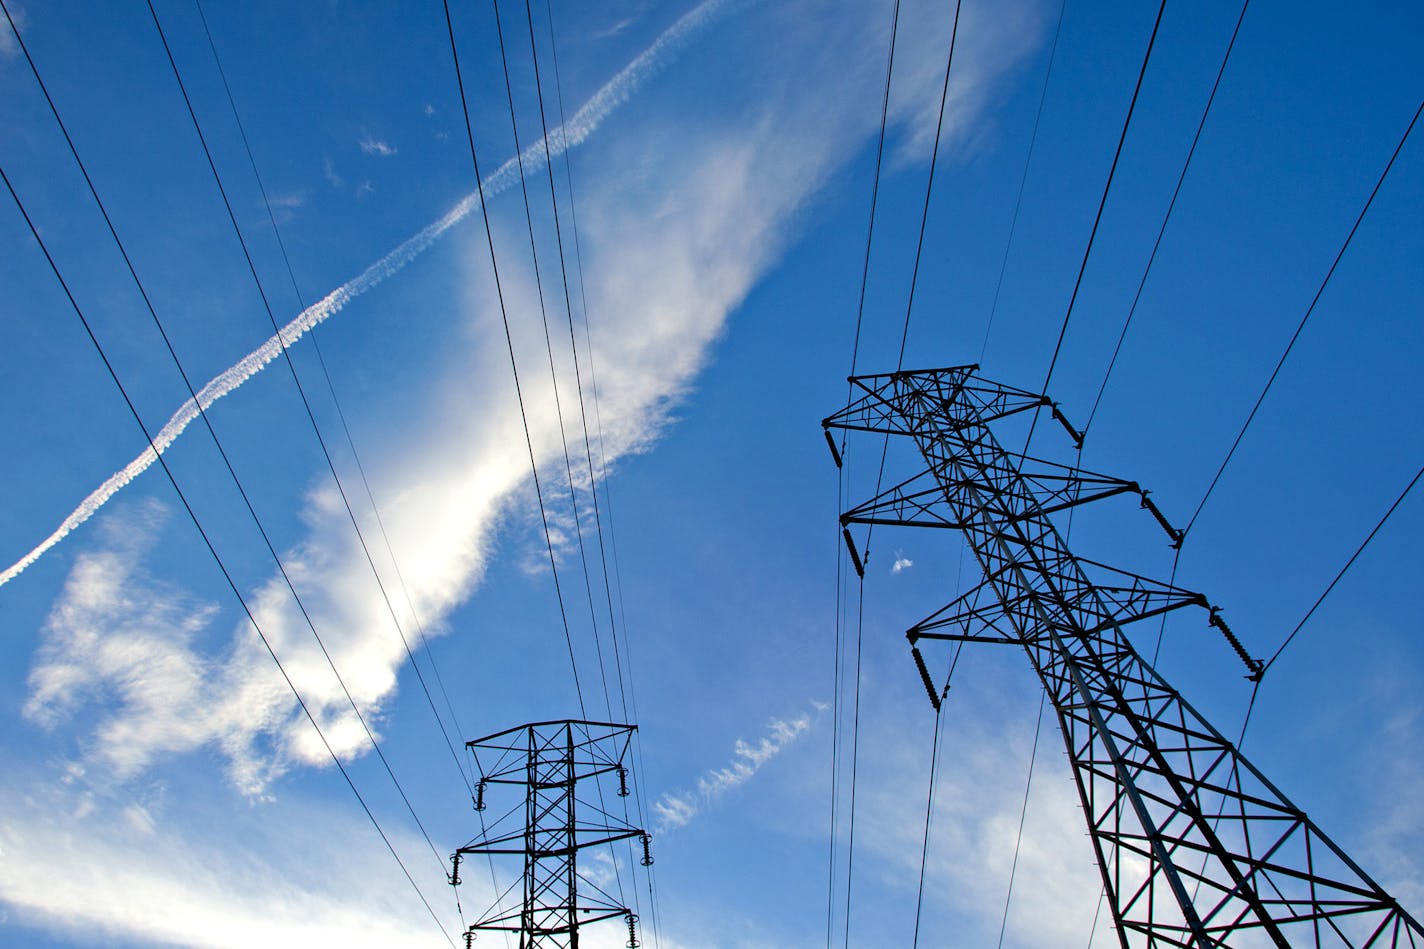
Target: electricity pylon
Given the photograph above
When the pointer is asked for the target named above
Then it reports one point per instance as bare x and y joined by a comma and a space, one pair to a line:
560, 819
1195, 845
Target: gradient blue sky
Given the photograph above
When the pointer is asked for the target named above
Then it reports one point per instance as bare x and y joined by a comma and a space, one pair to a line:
159, 788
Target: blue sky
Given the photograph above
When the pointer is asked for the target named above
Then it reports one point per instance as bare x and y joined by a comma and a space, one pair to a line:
160, 787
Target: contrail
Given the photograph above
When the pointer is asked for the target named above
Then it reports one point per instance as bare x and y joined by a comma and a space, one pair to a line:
576, 131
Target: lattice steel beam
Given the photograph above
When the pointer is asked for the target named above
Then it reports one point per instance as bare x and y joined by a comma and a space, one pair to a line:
1196, 846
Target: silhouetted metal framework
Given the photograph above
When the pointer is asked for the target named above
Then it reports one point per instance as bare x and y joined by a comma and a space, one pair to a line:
1196, 846
558, 764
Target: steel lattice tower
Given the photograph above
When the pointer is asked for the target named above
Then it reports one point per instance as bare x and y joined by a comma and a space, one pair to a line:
549, 760
1196, 846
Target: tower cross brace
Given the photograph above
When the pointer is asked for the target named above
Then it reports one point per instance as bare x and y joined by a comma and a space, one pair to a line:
1197, 848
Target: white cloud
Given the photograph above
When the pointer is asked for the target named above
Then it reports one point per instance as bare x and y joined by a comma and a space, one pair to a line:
85, 860
901, 563
670, 252
371, 145
9, 45
678, 809
602, 104
328, 170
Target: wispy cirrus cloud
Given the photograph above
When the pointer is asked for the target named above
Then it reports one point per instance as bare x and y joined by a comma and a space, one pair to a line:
371, 145
612, 95
677, 809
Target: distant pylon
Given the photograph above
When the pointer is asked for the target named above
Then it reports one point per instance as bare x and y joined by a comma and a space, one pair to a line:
549, 760
1196, 847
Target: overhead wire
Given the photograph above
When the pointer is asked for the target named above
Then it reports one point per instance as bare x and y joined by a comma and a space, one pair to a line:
553, 373
1023, 179
623, 654
212, 550
549, 348
860, 605
1098, 217
875, 188
1167, 217
1250, 417
315, 333
301, 390
513, 363
841, 476
930, 793
1023, 817
226, 459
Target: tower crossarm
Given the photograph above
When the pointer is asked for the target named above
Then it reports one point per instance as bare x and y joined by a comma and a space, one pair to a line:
1196, 847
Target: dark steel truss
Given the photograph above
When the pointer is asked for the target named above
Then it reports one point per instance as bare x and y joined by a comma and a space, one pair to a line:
560, 818
1196, 846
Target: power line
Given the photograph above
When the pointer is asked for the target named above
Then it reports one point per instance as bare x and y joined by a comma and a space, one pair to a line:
1098, 218
1023, 816
875, 184
1348, 564
929, 190
549, 348
1023, 179
603, 551
301, 391
207, 422
208, 542
1304, 319
1167, 217
315, 333
513, 364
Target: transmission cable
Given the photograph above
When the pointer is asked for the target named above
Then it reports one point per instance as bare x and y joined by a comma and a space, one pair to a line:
1304, 319
1098, 218
301, 392
603, 552
874, 189
1023, 179
1023, 816
207, 541
879, 480
588, 452
207, 422
1166, 218
930, 793
315, 332
1348, 564
549, 347
929, 190
513, 364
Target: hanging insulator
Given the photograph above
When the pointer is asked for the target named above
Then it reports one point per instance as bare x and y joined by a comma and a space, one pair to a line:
622, 782
835, 453
854, 554
925, 676
469, 939
454, 875
1073, 433
480, 796
647, 849
1152, 509
633, 942
1256, 666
